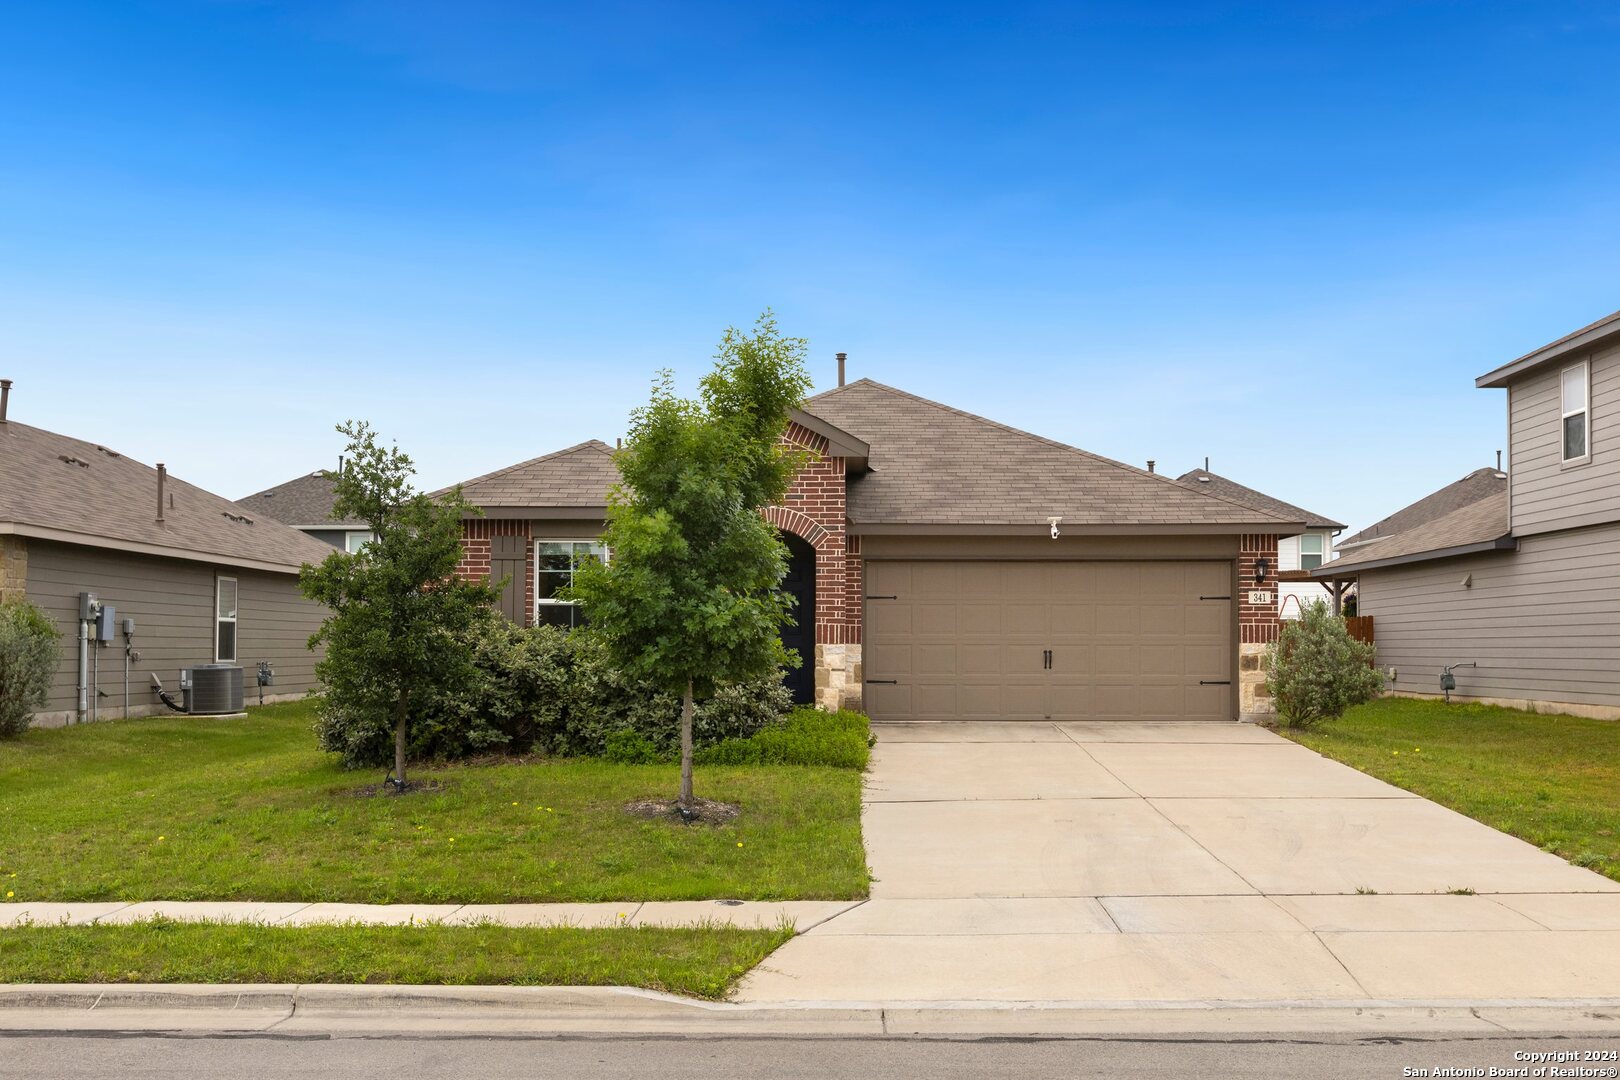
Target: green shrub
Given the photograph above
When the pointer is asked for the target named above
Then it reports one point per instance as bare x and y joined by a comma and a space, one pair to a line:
1316, 670
27, 662
557, 691
842, 740
630, 747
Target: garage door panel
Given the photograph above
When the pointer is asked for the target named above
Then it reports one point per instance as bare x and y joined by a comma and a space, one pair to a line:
970, 640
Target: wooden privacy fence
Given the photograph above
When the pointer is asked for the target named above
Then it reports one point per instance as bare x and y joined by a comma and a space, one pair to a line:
1360, 627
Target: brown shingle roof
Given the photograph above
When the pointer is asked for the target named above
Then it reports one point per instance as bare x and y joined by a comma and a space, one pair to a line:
935, 465
1481, 525
1477, 485
578, 476
56, 487
1231, 490
305, 502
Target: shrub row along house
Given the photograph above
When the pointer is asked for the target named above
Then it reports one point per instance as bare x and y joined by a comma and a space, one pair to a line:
1508, 578
950, 567
121, 555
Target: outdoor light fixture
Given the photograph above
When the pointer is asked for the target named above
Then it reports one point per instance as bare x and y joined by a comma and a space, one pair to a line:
1260, 568
1053, 521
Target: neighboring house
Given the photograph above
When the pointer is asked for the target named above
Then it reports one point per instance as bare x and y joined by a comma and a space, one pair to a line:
204, 580
305, 503
1297, 556
950, 567
1515, 574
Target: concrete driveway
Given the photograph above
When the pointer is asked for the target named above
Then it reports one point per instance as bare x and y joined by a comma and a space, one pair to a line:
1115, 864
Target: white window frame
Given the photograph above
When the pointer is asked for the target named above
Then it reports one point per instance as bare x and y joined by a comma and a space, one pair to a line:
349, 544
236, 644
572, 541
1321, 553
1585, 412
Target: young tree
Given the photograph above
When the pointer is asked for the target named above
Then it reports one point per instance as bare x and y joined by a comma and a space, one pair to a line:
1316, 670
399, 613
690, 596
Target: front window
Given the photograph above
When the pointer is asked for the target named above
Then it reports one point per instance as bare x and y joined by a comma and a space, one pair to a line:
1574, 390
355, 542
1310, 551
554, 564
225, 620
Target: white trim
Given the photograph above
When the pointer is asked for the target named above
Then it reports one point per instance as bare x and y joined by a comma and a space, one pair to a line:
236, 606
1584, 412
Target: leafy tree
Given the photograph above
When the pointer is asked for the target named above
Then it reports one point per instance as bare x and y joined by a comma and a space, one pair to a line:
397, 632
690, 597
27, 661
1316, 670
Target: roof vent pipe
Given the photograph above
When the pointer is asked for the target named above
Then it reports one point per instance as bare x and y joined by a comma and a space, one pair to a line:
5, 398
1151, 463
163, 475
1206, 463
1498, 453
841, 358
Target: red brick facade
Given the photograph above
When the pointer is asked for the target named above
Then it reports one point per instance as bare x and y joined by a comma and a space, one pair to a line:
475, 553
1258, 624
815, 513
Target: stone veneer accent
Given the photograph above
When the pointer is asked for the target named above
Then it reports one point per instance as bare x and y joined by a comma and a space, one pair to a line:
1258, 624
13, 567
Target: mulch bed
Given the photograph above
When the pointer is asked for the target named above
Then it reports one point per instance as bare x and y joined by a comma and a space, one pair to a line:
703, 811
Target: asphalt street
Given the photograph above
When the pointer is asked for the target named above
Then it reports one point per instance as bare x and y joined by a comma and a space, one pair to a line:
426, 1057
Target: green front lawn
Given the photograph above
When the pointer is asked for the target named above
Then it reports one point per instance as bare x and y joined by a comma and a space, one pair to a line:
703, 962
182, 808
1551, 780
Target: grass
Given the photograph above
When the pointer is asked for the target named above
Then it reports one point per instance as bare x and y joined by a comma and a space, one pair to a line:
188, 808
1551, 780
699, 961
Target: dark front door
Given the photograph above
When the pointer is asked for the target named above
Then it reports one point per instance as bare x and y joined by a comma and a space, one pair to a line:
800, 583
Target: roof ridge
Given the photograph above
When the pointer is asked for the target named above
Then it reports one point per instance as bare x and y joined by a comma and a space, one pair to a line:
588, 444
1133, 470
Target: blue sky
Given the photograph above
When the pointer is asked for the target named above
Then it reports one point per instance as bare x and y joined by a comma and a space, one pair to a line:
1286, 236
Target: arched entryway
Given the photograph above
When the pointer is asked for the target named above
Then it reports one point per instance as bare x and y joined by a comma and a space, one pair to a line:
800, 583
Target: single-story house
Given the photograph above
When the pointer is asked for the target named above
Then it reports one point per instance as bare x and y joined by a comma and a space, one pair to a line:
1298, 555
203, 579
950, 567
1509, 577
305, 503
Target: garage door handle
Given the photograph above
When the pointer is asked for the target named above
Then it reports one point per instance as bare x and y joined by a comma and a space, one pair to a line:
884, 682
1214, 682
876, 596
1214, 598
1046, 659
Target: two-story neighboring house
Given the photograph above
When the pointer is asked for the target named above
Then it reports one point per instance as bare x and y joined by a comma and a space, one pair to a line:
1518, 588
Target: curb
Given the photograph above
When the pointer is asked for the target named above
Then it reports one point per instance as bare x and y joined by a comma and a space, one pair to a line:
623, 1011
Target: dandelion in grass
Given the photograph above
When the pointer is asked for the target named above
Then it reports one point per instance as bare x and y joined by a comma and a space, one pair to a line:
10, 893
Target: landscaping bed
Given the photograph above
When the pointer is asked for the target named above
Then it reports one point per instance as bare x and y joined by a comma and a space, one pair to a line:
1548, 779
701, 961
193, 808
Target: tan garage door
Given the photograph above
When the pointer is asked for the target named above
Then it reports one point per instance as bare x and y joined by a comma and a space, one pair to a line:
1048, 640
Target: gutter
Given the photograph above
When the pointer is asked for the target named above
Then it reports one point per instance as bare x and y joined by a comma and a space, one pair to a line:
1331, 572
135, 547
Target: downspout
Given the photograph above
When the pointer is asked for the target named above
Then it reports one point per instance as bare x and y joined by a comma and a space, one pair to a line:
84, 667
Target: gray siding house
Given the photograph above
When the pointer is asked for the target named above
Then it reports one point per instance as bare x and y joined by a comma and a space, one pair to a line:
1516, 574
204, 580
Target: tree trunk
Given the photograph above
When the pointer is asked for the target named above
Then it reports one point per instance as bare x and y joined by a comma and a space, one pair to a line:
686, 747
400, 714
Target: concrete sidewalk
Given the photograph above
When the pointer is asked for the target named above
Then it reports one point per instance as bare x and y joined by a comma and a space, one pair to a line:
1104, 865
802, 914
